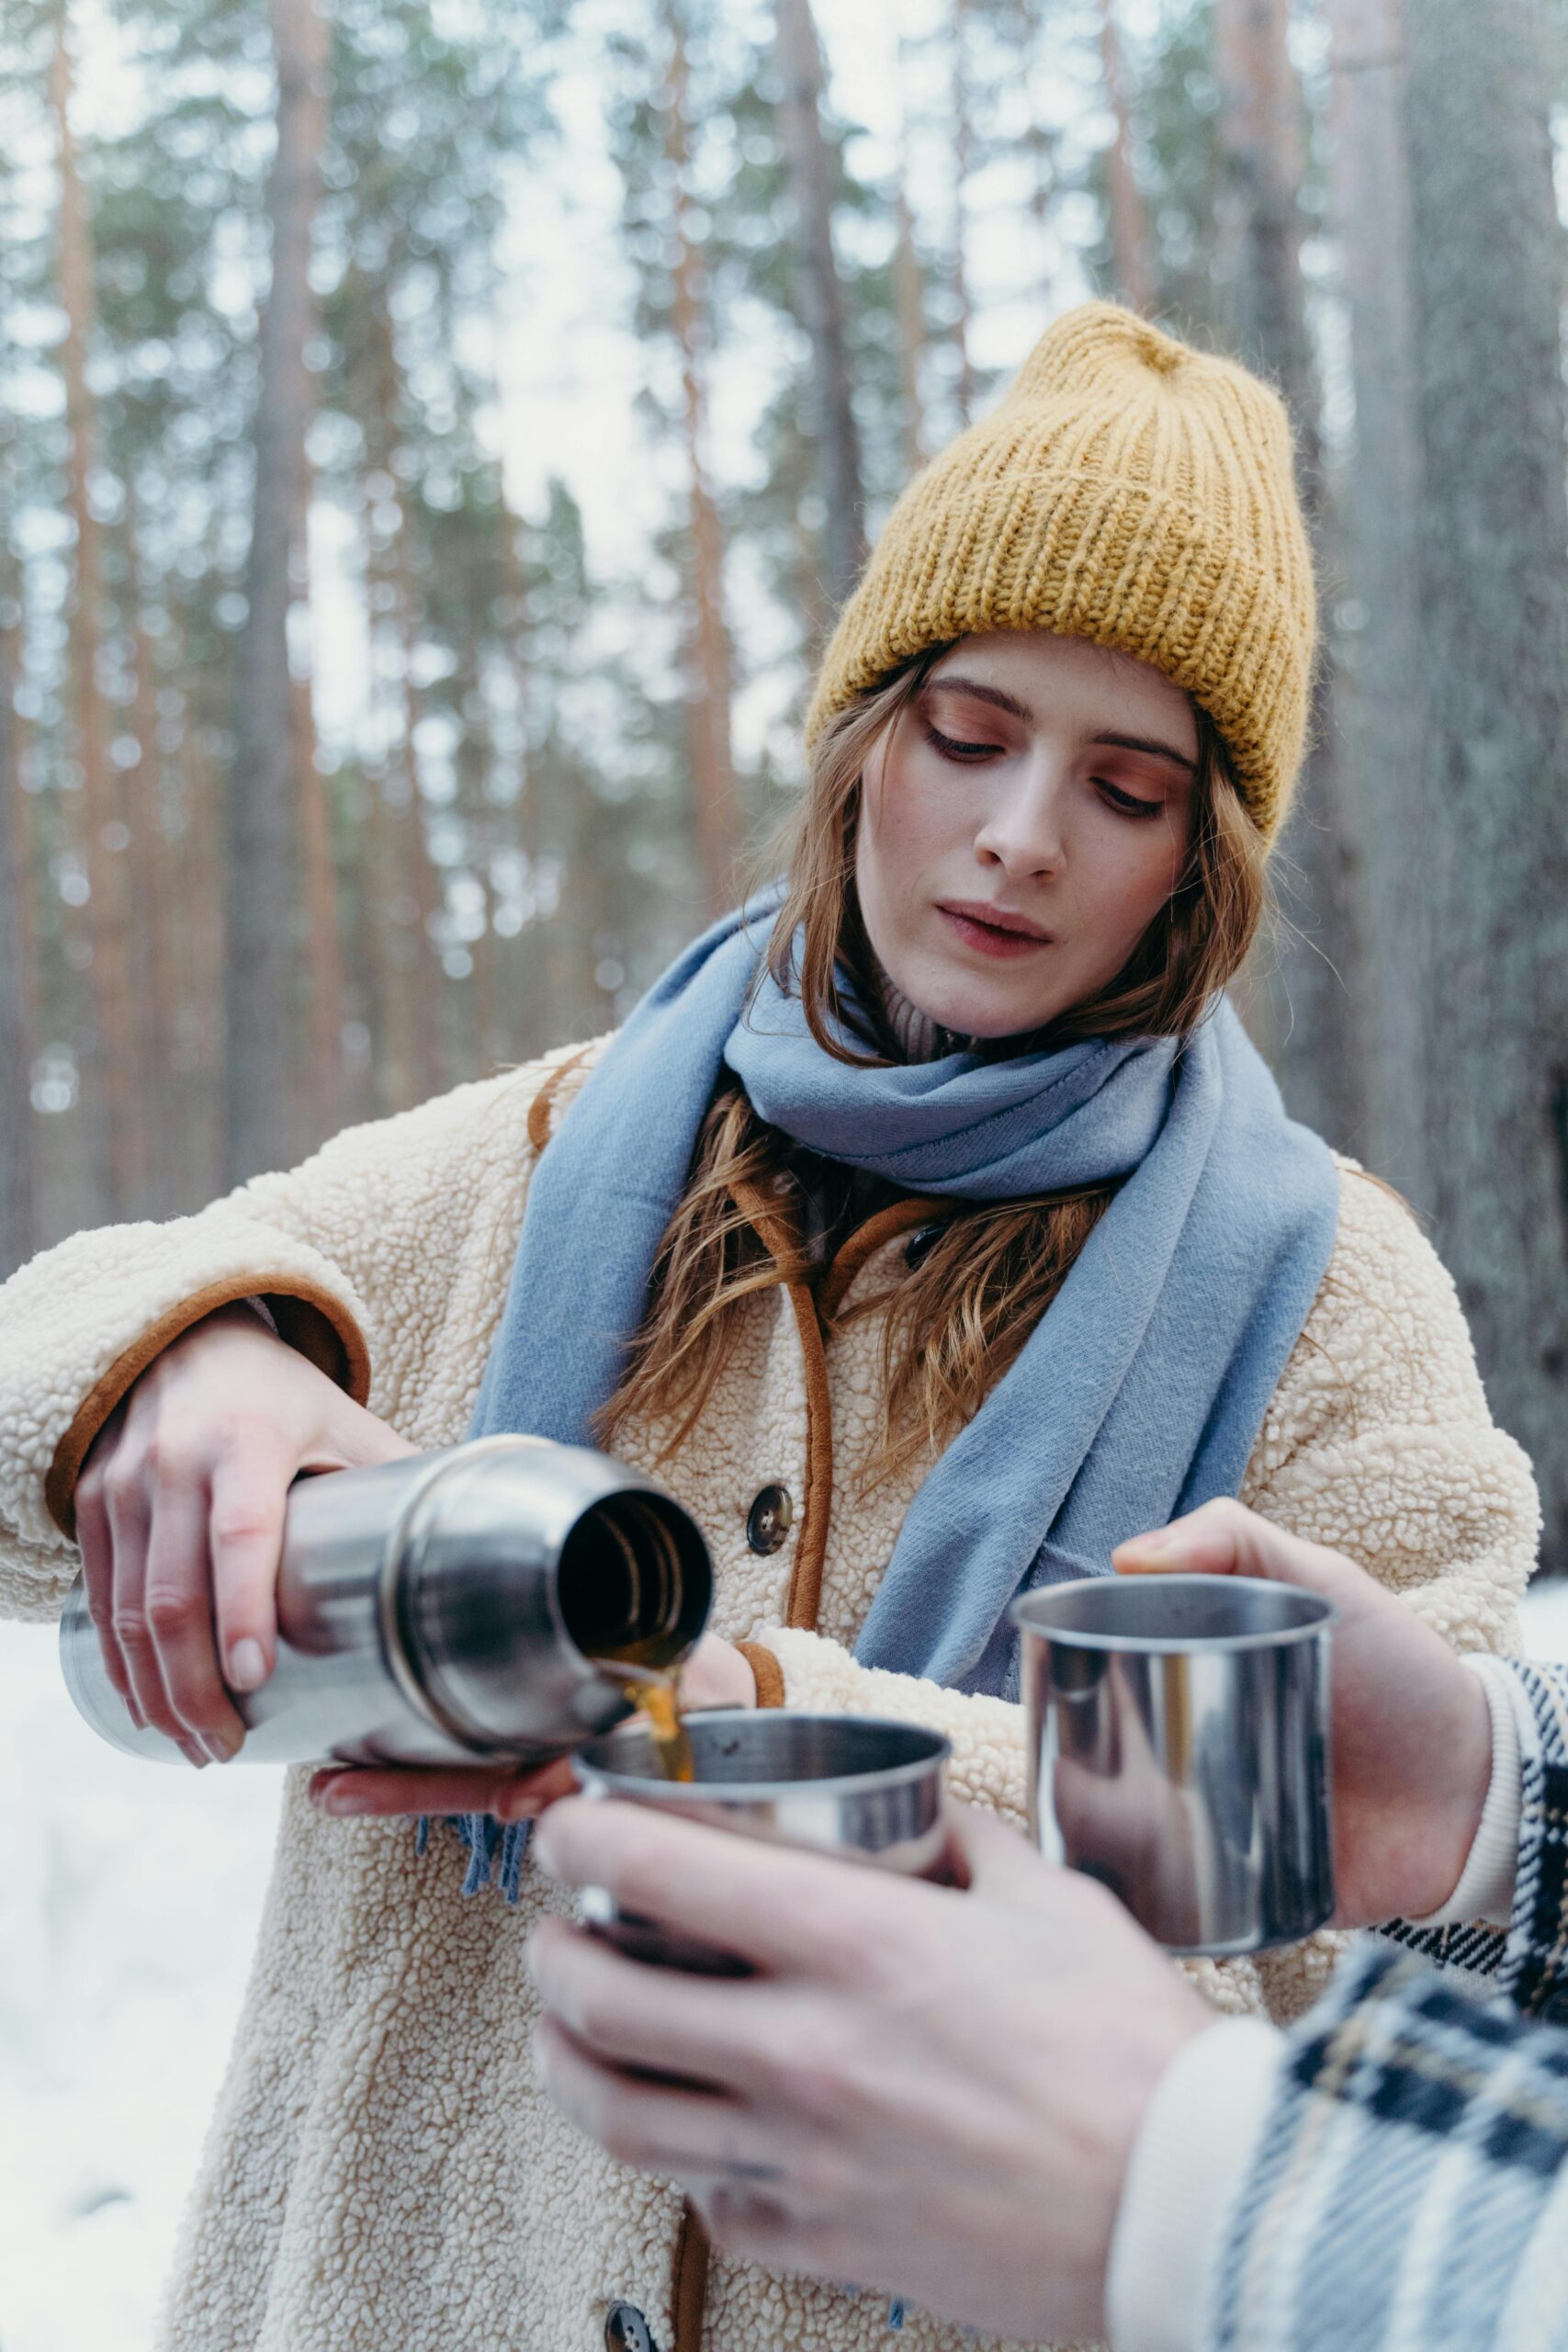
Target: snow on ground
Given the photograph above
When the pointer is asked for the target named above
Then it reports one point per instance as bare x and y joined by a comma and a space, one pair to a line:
129, 1894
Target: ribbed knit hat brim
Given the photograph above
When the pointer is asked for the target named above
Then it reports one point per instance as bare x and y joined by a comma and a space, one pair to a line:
1127, 490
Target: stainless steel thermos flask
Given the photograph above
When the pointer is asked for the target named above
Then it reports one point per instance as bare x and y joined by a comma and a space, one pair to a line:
451, 1607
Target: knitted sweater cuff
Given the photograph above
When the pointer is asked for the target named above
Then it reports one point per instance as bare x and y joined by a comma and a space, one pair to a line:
1189, 2161
1485, 1888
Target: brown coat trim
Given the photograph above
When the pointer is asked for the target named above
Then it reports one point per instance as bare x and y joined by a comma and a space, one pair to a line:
811, 1545
898, 1216
541, 1121
309, 1319
767, 1670
691, 2285
816, 1505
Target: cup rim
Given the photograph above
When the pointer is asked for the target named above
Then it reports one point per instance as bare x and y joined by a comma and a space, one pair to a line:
1028, 1608
596, 1780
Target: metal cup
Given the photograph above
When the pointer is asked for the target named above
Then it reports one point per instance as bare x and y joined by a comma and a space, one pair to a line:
852, 1785
1178, 1751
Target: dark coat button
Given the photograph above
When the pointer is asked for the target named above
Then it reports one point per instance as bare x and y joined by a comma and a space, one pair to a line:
769, 1520
625, 2330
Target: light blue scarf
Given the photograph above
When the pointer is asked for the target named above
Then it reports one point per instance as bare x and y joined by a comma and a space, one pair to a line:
1138, 1395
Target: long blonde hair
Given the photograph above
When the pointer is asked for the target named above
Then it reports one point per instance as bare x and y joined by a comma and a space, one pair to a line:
956, 1318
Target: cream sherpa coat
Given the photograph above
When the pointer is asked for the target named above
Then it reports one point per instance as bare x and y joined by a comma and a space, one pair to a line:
382, 2175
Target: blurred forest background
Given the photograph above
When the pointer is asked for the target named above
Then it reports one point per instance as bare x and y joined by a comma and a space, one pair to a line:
435, 436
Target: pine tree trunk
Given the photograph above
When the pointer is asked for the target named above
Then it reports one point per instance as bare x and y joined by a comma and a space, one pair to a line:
1131, 255
204, 937
909, 296
1493, 640
1380, 689
1313, 1011
810, 166
709, 690
109, 1079
324, 1090
149, 945
261, 797
321, 1098
1260, 142
963, 144
529, 1023
16, 1054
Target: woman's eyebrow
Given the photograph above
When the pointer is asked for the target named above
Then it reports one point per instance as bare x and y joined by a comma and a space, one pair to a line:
1002, 700
981, 692
1147, 743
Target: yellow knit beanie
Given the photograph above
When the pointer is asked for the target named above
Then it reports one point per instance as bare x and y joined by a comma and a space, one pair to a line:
1128, 490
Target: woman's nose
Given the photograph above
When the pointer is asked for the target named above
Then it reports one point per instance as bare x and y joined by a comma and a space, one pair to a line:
1022, 829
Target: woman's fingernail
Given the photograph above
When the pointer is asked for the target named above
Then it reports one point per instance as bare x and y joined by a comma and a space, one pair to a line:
341, 1799
1148, 1546
221, 1750
247, 1666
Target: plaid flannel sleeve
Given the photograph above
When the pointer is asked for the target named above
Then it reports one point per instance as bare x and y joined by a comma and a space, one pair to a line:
1410, 2187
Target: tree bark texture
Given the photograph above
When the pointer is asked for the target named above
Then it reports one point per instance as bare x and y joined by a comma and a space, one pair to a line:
408, 888
1379, 685
15, 1054
909, 295
1131, 255
1312, 1014
323, 1092
709, 689
1493, 852
109, 1079
810, 167
150, 950
963, 146
261, 793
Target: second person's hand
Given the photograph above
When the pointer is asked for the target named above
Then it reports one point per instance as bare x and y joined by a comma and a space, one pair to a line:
1412, 1728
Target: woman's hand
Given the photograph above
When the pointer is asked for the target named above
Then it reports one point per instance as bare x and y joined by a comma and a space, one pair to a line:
930, 2092
716, 1674
1412, 1729
179, 1515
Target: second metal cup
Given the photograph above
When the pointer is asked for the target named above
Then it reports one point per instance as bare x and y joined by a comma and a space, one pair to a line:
851, 1785
1178, 1751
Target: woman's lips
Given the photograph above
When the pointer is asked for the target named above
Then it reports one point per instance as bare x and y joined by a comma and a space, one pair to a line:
997, 935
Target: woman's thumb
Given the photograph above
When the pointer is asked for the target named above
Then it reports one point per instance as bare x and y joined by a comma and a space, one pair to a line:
1223, 1538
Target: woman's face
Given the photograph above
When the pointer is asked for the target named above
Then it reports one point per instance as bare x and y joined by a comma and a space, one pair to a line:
1021, 824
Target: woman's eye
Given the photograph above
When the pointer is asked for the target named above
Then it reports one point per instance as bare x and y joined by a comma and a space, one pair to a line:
952, 749
1127, 804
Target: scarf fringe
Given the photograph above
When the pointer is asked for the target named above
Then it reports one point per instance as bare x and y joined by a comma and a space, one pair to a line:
496, 1850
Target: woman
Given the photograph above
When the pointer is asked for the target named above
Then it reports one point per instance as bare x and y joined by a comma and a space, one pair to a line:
927, 1231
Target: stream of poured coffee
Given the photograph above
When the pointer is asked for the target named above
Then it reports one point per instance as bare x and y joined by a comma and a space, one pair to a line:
659, 1696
